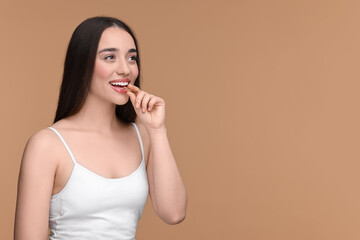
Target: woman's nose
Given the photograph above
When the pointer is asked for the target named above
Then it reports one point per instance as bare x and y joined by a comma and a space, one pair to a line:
123, 68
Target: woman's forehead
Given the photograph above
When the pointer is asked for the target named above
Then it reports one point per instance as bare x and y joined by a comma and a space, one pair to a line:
114, 37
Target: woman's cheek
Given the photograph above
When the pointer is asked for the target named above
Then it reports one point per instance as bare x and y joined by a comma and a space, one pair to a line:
101, 70
135, 72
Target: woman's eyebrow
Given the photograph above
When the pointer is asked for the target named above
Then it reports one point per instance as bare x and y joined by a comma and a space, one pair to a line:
109, 50
116, 50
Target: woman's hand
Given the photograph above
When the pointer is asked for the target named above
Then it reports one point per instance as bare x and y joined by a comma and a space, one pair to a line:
149, 108
167, 191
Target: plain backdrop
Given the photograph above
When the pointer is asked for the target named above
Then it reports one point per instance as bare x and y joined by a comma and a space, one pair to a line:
262, 107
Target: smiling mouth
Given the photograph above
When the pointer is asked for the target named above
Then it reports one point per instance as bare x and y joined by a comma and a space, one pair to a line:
119, 84
120, 87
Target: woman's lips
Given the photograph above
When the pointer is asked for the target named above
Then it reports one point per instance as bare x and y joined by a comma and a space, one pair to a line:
123, 80
118, 89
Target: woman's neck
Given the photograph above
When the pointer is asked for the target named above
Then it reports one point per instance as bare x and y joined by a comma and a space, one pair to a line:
98, 116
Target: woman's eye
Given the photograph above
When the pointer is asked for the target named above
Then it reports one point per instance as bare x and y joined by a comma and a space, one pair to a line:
132, 58
109, 57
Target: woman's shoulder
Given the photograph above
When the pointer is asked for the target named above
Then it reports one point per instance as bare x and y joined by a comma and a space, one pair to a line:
41, 147
143, 132
41, 138
144, 137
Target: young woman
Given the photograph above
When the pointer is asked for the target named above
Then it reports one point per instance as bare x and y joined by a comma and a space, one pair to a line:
89, 174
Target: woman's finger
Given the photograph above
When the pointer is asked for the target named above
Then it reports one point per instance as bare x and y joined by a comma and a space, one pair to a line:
133, 88
145, 101
132, 97
139, 97
152, 103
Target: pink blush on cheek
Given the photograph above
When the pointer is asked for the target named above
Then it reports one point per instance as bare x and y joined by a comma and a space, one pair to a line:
101, 71
136, 73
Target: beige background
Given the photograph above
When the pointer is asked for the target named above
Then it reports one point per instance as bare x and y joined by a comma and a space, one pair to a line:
262, 107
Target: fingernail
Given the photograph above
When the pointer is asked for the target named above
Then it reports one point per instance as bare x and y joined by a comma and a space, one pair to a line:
143, 109
137, 105
149, 108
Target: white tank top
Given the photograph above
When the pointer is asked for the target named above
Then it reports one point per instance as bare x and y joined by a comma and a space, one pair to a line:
94, 207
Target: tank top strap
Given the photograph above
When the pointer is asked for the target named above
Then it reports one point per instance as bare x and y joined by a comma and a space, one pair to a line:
141, 143
66, 146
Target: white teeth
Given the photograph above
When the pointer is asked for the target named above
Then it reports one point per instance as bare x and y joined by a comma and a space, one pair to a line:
123, 84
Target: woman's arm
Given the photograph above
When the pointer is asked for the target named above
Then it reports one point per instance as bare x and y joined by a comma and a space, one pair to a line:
35, 184
167, 190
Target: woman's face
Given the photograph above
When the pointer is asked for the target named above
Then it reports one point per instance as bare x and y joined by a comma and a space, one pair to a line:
115, 66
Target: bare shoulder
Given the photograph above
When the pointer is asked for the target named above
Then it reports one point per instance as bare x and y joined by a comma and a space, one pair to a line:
42, 140
42, 137
40, 149
143, 132
144, 136
35, 184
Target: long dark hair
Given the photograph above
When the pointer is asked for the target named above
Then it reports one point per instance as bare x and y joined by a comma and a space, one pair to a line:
79, 68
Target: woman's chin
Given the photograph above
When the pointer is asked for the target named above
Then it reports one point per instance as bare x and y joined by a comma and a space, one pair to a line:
122, 101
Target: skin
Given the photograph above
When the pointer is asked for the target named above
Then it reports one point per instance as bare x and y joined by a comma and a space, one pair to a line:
101, 143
